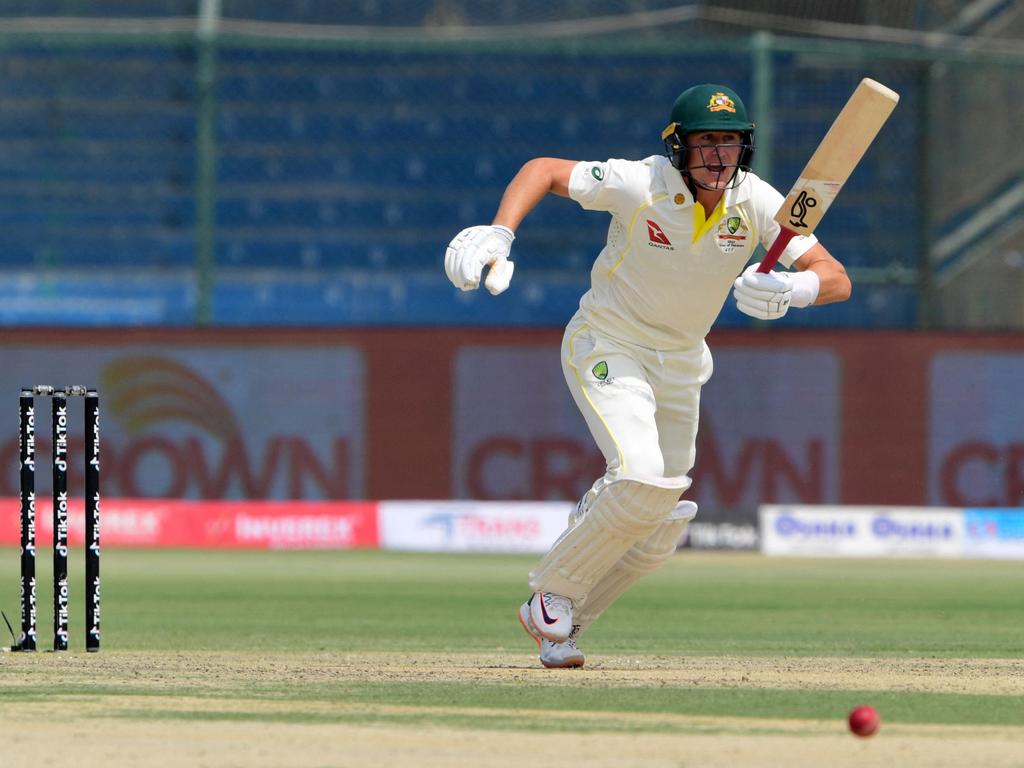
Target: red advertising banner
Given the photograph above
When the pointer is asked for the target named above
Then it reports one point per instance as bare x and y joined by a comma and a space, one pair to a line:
976, 443
789, 416
754, 442
196, 418
208, 524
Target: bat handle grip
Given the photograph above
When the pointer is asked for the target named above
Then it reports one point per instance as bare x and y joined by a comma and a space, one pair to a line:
772, 257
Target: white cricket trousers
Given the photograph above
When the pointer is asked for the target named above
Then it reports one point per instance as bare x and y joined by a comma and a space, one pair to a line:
641, 405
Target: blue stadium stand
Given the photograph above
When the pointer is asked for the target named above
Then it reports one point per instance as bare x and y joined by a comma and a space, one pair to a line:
341, 176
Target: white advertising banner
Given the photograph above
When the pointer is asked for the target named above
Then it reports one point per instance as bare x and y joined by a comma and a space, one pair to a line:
976, 437
995, 533
861, 531
470, 526
770, 428
203, 421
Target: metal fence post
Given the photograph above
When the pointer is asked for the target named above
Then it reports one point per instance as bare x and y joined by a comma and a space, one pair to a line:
762, 79
206, 157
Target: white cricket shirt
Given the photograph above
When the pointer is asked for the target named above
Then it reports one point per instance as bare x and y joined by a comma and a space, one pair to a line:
665, 272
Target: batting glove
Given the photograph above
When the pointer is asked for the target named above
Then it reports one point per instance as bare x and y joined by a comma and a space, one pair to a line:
768, 296
475, 248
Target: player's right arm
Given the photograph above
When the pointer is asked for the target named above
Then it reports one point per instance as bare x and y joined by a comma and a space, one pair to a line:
488, 246
537, 178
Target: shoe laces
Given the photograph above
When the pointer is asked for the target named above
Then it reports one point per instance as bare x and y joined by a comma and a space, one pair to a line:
558, 602
571, 639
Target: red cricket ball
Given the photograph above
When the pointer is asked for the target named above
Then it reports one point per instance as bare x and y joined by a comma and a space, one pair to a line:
864, 720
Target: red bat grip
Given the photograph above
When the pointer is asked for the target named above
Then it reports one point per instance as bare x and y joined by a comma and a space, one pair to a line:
770, 258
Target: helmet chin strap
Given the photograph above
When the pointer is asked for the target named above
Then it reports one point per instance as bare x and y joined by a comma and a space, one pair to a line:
690, 183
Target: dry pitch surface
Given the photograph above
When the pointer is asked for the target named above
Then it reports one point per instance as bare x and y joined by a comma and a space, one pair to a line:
203, 709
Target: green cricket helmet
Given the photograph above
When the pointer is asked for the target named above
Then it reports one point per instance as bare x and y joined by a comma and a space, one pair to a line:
708, 107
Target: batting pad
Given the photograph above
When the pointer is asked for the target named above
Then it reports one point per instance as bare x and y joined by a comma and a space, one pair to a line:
639, 560
623, 513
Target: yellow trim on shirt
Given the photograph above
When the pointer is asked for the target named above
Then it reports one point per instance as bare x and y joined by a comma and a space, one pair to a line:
629, 232
702, 227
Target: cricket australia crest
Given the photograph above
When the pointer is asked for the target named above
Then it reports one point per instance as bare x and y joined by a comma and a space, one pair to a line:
732, 234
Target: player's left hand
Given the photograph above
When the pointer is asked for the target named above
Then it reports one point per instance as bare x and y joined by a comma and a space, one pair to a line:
766, 296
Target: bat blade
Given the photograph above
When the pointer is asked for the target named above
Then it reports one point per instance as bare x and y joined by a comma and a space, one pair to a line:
832, 163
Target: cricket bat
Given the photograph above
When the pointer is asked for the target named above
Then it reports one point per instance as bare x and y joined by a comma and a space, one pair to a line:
831, 164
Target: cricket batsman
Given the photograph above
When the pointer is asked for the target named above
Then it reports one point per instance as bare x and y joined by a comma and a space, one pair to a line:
683, 227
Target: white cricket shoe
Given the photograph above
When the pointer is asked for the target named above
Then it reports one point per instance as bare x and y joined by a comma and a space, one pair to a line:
552, 655
552, 616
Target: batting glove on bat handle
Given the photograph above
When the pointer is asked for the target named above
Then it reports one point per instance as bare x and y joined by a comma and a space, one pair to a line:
475, 248
769, 296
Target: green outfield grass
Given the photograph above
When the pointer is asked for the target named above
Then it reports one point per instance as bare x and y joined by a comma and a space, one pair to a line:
701, 604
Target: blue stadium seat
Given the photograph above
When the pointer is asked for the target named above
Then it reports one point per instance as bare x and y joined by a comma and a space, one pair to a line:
342, 174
